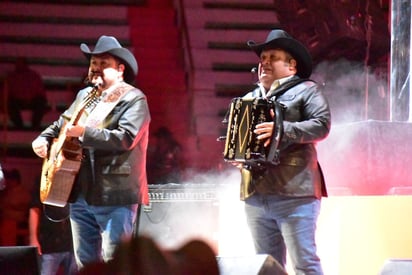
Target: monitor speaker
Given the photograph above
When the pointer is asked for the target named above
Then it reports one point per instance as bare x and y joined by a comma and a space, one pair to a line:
16, 260
397, 267
261, 264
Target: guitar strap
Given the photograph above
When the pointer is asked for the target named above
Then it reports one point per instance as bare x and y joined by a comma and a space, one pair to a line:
102, 109
106, 104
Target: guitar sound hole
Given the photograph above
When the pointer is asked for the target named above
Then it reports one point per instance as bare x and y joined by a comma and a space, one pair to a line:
72, 149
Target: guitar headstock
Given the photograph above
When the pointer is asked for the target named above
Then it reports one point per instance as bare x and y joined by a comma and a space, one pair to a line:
92, 98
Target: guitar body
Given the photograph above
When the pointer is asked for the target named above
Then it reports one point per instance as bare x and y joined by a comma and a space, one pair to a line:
63, 162
59, 172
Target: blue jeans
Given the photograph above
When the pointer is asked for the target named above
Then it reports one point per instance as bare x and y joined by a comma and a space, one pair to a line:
279, 223
51, 262
97, 230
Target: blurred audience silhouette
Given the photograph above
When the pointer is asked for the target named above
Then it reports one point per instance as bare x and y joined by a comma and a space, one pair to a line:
24, 90
142, 256
14, 205
165, 161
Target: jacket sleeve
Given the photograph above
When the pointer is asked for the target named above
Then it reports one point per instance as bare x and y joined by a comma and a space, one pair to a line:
307, 118
54, 129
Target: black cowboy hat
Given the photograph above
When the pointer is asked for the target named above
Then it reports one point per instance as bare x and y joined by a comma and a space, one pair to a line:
278, 38
109, 44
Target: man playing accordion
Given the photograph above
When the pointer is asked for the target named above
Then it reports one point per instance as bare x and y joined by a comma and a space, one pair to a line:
282, 198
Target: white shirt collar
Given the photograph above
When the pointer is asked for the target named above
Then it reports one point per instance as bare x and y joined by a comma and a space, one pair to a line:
281, 81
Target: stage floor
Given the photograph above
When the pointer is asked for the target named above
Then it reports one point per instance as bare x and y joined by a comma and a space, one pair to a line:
356, 234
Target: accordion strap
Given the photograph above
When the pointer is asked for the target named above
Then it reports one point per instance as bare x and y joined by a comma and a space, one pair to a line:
274, 152
273, 155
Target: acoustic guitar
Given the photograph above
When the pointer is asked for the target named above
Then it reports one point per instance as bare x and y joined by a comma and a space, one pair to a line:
63, 161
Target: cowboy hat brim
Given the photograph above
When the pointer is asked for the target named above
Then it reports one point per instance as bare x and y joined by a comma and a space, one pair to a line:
279, 39
108, 44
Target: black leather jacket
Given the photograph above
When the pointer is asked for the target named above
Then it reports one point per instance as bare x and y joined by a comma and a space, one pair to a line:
113, 170
307, 120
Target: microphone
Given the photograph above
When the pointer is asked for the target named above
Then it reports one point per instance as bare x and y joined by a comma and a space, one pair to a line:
93, 79
98, 83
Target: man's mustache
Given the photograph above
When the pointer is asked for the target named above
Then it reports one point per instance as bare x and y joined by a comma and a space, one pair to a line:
91, 75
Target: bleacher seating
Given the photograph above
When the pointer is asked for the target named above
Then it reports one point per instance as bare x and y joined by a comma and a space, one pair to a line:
49, 36
217, 33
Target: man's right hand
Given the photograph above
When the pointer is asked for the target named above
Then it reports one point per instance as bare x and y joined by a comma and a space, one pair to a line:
40, 147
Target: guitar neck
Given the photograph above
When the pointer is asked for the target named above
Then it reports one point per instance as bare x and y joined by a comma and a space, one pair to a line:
76, 117
87, 101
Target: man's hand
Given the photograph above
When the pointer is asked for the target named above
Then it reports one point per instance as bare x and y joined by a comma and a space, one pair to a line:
264, 130
74, 130
40, 147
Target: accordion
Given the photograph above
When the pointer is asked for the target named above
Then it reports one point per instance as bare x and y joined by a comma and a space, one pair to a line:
241, 143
